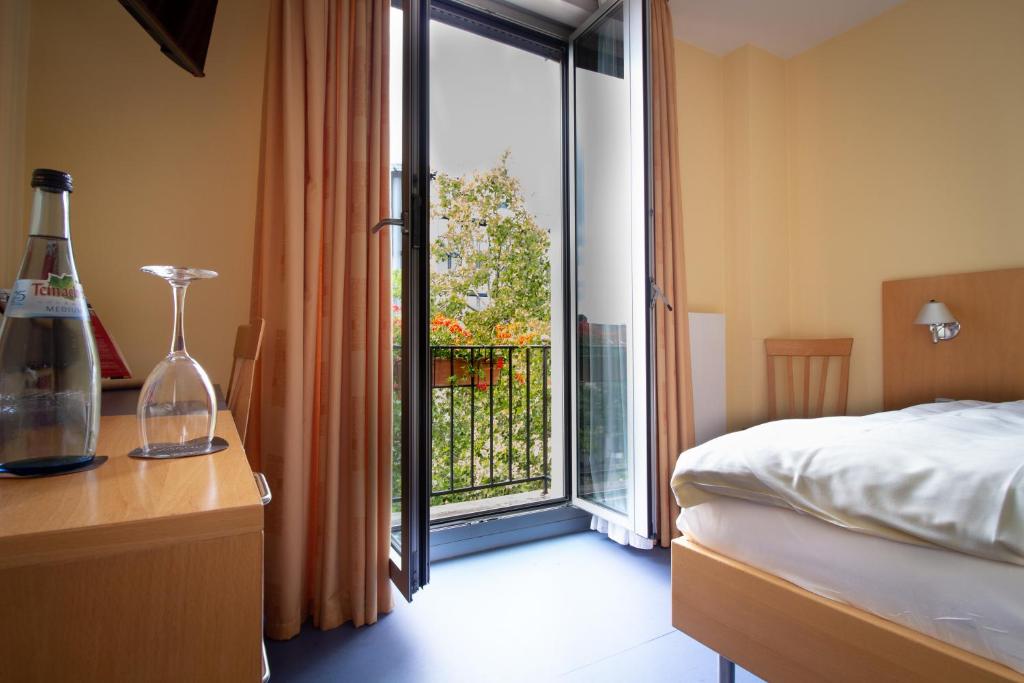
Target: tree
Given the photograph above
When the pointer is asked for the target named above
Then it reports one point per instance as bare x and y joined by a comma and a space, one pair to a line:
499, 282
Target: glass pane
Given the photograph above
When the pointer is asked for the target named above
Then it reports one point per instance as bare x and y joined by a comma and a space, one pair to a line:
395, 158
496, 158
604, 246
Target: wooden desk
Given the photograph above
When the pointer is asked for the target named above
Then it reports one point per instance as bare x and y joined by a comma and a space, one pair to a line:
138, 570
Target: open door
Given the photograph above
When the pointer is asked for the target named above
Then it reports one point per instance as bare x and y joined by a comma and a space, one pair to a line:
410, 271
611, 316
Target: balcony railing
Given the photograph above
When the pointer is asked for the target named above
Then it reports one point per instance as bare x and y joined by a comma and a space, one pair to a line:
491, 426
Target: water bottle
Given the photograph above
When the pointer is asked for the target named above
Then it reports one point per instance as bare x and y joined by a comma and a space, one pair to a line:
49, 369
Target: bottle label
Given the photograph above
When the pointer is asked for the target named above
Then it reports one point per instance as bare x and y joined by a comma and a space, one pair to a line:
60, 296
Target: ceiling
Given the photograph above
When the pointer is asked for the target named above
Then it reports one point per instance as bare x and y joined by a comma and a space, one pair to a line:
568, 12
782, 27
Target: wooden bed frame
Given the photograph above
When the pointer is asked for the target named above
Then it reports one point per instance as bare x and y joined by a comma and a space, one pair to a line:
782, 632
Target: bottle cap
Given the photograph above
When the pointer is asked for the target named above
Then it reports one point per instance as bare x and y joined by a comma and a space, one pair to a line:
51, 180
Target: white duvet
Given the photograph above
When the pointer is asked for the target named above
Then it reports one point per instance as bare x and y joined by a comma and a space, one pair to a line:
945, 474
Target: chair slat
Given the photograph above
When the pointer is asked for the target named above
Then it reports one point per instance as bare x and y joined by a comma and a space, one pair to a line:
807, 383
791, 385
825, 362
844, 383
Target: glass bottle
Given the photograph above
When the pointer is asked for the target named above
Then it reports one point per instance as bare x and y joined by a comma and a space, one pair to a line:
49, 369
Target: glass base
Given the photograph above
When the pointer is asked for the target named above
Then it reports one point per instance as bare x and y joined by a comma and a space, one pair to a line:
50, 465
162, 451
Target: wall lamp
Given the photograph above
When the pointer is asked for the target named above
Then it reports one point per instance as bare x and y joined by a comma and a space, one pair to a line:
939, 320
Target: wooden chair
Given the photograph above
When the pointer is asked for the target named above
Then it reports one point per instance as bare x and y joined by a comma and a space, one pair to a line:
807, 350
243, 369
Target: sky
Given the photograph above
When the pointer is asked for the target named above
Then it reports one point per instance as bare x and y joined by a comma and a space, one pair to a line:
485, 98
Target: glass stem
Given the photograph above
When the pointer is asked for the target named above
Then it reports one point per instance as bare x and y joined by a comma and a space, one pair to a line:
178, 337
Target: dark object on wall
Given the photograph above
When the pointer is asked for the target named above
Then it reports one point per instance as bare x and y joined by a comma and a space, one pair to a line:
181, 27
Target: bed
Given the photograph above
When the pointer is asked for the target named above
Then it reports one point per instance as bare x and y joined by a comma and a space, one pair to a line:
794, 591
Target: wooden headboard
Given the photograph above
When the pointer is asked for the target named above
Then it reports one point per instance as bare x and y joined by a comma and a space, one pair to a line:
985, 361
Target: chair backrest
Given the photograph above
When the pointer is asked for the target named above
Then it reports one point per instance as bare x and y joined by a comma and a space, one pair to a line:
805, 351
243, 369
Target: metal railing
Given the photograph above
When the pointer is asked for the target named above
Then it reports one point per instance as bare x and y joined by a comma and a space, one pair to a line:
491, 412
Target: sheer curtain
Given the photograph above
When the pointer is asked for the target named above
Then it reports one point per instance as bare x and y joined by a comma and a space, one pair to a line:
322, 415
604, 434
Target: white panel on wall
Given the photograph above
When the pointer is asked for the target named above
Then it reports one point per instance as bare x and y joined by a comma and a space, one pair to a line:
707, 360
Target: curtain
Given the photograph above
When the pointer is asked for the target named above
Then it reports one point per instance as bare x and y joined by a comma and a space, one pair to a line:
672, 337
322, 419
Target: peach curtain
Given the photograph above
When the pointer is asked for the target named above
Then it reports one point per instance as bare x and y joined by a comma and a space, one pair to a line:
322, 418
672, 332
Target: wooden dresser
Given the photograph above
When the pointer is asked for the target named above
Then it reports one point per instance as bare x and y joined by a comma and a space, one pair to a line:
138, 570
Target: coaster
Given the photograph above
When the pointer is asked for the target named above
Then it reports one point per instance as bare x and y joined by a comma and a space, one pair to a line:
181, 450
50, 466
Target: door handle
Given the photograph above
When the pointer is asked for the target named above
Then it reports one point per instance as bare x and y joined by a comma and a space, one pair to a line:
389, 221
658, 294
263, 487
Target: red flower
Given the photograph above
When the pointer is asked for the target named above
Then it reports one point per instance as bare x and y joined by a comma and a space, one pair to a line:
481, 385
525, 338
500, 363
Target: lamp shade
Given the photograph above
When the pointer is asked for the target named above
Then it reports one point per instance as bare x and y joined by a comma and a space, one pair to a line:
934, 313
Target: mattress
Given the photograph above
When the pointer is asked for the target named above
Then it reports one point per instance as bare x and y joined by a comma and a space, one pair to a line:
969, 602
943, 474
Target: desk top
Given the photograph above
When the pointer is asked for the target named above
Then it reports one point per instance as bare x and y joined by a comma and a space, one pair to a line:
128, 503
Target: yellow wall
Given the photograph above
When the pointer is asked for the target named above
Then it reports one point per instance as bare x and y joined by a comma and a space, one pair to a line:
907, 159
14, 15
757, 250
733, 167
893, 150
164, 166
700, 82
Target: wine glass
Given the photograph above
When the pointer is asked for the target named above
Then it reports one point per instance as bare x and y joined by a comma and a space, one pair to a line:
177, 408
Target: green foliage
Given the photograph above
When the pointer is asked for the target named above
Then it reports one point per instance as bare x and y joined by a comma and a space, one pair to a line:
500, 272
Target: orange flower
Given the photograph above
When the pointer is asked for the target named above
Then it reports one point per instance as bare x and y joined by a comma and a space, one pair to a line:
520, 377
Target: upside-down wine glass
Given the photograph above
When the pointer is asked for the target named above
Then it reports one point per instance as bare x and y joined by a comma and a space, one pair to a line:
177, 409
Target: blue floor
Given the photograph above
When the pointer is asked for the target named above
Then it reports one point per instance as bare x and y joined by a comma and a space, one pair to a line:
574, 608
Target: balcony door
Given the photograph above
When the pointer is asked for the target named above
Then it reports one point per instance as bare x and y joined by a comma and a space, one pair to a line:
611, 405
591, 355
410, 271
478, 272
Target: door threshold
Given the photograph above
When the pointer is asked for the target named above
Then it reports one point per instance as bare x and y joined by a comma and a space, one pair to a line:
504, 528
454, 513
